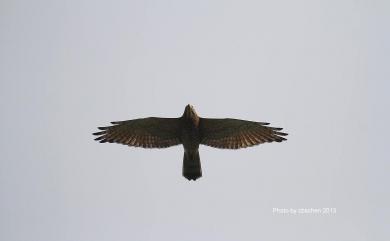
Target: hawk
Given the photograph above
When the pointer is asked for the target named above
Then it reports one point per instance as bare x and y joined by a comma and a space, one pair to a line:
190, 130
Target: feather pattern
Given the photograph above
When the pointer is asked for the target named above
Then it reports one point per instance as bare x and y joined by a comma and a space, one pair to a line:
234, 133
152, 132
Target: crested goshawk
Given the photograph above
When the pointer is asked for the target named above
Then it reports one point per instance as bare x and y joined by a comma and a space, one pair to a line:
190, 130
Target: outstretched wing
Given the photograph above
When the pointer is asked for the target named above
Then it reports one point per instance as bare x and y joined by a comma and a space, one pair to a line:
234, 134
152, 132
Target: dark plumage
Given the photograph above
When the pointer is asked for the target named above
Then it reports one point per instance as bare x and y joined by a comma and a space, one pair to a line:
190, 130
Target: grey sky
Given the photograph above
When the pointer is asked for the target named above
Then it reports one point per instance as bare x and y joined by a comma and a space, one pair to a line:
320, 69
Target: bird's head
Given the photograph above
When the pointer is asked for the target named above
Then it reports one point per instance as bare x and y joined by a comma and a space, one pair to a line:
190, 113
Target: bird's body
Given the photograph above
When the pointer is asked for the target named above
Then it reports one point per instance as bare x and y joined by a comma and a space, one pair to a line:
190, 130
190, 137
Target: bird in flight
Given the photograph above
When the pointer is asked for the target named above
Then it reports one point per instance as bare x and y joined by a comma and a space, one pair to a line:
190, 130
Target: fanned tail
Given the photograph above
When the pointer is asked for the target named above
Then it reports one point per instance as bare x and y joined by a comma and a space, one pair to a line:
191, 165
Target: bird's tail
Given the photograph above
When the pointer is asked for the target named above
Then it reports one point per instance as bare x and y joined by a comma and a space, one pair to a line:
191, 165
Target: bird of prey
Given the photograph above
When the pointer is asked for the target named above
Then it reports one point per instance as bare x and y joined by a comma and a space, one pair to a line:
190, 130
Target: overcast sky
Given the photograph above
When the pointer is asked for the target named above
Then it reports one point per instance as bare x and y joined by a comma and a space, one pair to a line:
320, 69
